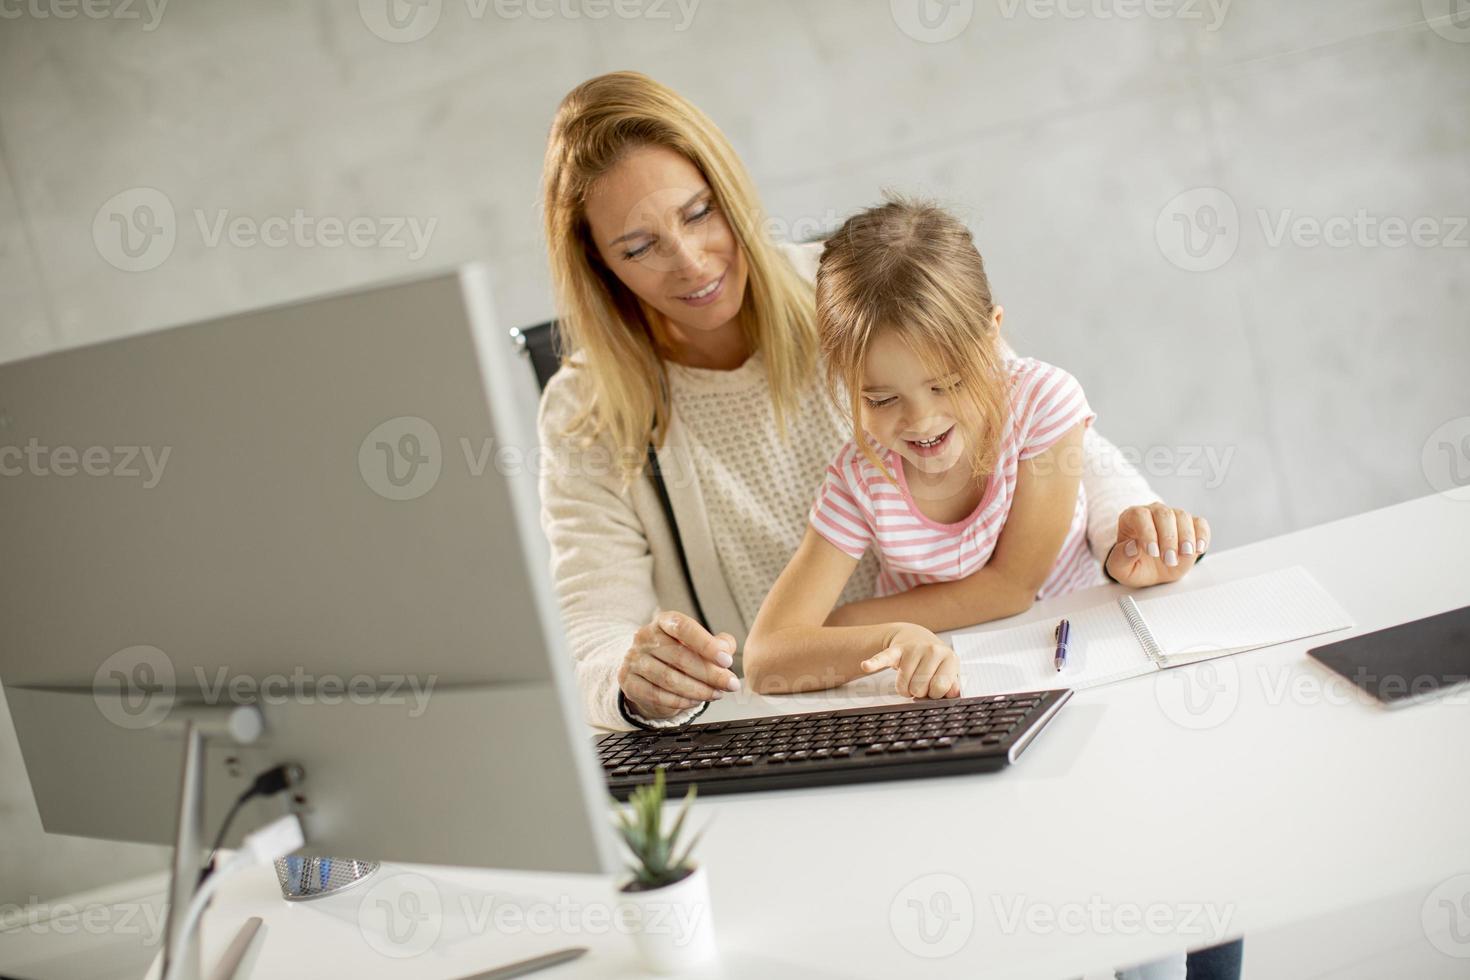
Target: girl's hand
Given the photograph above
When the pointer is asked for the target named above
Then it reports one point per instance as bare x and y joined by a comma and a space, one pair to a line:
926, 667
1156, 544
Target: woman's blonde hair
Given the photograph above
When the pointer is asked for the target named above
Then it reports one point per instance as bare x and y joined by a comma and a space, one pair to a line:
597, 123
910, 267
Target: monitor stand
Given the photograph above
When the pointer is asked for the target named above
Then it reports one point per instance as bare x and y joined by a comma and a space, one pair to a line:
235, 724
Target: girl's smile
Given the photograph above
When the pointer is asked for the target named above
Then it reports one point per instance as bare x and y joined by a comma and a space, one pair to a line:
933, 446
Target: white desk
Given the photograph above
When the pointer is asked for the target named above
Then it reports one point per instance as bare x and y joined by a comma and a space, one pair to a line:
1133, 819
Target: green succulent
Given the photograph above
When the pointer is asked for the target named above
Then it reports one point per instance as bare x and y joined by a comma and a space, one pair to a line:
641, 827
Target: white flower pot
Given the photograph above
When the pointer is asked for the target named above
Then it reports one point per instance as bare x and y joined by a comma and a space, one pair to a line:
672, 926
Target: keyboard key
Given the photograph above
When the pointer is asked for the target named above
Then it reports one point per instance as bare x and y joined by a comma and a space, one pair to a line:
745, 760
776, 757
898, 746
875, 749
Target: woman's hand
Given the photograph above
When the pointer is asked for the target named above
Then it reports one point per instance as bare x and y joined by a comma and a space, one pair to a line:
1156, 544
927, 668
674, 664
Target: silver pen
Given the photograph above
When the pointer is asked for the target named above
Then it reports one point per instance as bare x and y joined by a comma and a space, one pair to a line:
530, 966
229, 961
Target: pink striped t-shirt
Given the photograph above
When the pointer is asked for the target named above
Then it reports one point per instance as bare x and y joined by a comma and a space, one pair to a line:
858, 506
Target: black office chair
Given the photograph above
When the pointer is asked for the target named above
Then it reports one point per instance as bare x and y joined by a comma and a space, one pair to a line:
542, 344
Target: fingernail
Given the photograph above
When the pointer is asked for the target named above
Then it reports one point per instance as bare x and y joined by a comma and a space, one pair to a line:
724, 659
1131, 549
1201, 545
1153, 549
1171, 558
733, 684
1186, 547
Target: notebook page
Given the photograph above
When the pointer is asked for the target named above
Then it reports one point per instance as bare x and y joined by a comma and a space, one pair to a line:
1259, 611
1103, 649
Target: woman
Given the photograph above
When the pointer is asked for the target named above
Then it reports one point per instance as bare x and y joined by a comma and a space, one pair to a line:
688, 330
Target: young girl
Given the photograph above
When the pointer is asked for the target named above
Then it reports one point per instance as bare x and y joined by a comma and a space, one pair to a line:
964, 471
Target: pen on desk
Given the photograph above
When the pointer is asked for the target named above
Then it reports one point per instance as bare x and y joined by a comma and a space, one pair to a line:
229, 961
1064, 633
530, 966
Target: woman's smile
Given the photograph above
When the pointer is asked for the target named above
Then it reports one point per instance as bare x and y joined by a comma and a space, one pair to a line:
707, 293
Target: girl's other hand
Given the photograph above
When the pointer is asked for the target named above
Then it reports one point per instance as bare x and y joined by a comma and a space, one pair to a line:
927, 668
1157, 544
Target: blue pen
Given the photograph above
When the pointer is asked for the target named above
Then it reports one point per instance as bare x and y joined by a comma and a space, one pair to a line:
1064, 633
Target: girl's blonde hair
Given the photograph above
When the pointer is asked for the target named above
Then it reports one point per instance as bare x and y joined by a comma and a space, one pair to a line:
597, 123
910, 267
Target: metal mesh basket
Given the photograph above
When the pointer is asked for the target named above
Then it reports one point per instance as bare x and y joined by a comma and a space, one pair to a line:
305, 878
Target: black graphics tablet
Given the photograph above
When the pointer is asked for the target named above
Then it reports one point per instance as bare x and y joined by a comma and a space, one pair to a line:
1405, 664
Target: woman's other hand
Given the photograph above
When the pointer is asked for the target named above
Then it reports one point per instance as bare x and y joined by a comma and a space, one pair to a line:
1157, 544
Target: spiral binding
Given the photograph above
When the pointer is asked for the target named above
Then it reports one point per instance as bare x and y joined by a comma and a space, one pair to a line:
1140, 629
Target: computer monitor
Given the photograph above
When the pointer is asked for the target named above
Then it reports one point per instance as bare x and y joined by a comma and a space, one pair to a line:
327, 509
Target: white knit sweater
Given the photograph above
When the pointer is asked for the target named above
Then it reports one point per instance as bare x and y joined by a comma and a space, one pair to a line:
732, 480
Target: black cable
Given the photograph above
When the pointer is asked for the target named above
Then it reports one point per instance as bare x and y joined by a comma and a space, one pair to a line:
268, 783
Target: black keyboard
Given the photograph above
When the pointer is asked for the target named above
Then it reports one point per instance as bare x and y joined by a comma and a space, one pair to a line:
896, 741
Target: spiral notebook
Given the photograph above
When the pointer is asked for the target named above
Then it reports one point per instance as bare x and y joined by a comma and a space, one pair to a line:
1131, 637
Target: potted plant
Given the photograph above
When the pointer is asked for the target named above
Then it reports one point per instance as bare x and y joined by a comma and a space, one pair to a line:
666, 904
